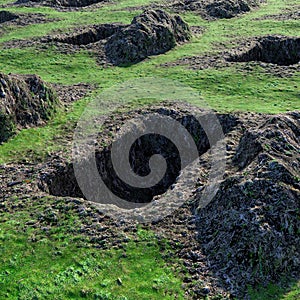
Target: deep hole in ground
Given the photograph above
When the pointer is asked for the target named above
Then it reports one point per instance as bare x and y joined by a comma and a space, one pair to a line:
89, 35
62, 181
278, 50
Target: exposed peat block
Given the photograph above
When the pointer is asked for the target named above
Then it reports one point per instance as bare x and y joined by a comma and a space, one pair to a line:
6, 16
217, 9
284, 51
151, 33
25, 101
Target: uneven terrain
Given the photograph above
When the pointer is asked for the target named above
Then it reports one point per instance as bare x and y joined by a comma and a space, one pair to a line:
242, 58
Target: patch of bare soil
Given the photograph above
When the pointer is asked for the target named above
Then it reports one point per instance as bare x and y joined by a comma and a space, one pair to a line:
12, 19
216, 9
62, 3
63, 182
89, 35
277, 55
248, 233
71, 93
151, 33
210, 10
25, 100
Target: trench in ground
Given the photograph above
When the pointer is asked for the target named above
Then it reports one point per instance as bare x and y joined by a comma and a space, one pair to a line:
62, 181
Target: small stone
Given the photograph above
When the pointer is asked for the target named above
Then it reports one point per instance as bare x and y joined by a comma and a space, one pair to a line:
119, 281
205, 290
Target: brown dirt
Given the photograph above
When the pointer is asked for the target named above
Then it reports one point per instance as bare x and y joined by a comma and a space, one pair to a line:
279, 50
6, 16
71, 93
151, 33
216, 9
210, 10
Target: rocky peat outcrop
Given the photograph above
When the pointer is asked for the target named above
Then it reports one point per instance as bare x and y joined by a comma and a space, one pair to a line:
250, 231
151, 33
218, 9
25, 101
279, 50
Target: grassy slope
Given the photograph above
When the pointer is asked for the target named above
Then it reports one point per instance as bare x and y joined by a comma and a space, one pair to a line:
54, 261
225, 89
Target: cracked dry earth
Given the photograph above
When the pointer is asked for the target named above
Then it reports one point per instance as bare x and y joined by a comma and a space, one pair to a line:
247, 234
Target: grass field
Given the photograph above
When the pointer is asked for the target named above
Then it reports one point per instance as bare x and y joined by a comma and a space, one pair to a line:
59, 263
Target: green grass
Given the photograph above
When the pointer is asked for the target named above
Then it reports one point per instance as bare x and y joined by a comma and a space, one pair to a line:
276, 292
59, 263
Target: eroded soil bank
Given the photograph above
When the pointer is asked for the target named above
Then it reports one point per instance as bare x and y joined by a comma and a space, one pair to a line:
25, 101
247, 234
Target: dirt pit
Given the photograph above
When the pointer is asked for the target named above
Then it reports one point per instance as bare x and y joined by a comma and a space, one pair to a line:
283, 51
62, 181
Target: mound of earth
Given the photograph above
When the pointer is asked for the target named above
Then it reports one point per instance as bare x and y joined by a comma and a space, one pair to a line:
25, 100
271, 49
217, 8
6, 16
62, 3
151, 33
250, 231
277, 55
89, 35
